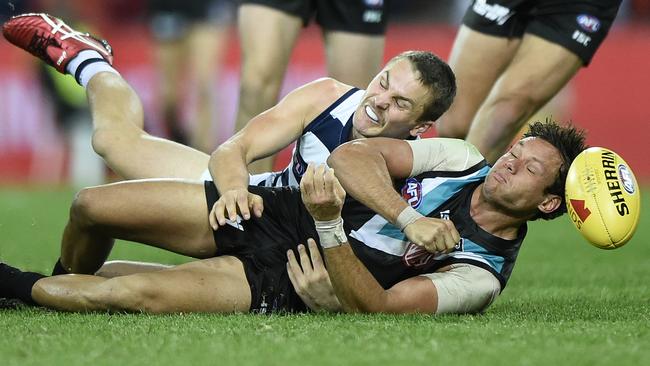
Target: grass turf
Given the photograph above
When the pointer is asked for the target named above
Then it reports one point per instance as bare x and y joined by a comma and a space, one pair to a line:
567, 303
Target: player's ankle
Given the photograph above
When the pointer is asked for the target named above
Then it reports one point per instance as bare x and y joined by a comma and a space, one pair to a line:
86, 65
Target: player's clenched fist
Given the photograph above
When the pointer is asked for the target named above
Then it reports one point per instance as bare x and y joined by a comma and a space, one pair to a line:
435, 235
233, 202
322, 193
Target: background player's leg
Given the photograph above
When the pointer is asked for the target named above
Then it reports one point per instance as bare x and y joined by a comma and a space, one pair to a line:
477, 60
167, 214
118, 136
211, 285
170, 64
267, 38
206, 45
537, 72
353, 58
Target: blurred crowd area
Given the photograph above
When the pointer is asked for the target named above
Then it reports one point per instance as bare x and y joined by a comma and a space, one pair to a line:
49, 142
106, 13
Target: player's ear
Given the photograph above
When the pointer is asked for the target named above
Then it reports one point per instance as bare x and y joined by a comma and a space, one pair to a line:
421, 128
550, 203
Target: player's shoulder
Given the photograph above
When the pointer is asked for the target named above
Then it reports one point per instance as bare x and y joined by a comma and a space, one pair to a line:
320, 94
328, 88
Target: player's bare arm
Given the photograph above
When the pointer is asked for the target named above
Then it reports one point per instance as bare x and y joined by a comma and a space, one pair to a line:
354, 285
264, 135
387, 159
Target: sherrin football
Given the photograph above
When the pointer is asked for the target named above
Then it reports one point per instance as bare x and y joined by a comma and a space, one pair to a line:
603, 198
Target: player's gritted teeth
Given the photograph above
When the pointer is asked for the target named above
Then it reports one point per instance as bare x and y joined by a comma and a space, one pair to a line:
372, 115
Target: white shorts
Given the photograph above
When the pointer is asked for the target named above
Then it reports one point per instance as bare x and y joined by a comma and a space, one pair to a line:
464, 289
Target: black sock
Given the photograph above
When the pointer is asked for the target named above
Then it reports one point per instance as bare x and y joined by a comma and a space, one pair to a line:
59, 269
16, 284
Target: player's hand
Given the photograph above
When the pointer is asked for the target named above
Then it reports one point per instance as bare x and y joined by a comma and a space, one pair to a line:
435, 235
233, 202
322, 193
311, 280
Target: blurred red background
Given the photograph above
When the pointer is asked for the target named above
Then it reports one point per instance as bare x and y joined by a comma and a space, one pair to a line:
608, 98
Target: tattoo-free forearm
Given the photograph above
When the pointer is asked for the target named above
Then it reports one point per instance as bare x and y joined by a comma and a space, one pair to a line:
228, 167
364, 175
355, 287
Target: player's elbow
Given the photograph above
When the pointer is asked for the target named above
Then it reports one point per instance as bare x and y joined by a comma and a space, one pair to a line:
348, 152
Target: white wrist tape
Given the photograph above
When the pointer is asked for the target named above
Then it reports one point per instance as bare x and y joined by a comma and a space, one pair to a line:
408, 216
331, 233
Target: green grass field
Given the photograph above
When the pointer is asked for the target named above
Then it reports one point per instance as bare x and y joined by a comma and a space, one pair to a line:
567, 303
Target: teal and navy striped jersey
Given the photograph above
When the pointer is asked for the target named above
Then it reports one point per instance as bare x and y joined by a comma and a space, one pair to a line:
391, 258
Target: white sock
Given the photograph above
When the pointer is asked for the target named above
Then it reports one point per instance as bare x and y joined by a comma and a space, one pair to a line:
96, 65
93, 69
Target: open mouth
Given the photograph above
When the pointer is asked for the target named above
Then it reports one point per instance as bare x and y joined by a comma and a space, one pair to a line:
371, 114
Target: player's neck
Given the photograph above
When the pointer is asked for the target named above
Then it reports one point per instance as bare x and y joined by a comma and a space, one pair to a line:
493, 219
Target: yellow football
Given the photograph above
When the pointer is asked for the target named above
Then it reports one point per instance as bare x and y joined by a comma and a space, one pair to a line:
603, 198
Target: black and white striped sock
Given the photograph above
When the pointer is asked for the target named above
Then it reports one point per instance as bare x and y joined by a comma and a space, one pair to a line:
87, 64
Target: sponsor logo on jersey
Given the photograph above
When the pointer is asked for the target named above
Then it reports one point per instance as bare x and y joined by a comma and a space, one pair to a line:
581, 38
494, 12
372, 16
412, 192
417, 256
588, 22
627, 181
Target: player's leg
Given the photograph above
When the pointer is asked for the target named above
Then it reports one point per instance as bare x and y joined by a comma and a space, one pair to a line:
167, 214
354, 34
206, 45
537, 72
127, 149
170, 55
267, 38
116, 108
211, 285
367, 51
118, 268
477, 60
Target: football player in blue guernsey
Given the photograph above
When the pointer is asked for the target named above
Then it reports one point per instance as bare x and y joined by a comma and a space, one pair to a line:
402, 101
445, 243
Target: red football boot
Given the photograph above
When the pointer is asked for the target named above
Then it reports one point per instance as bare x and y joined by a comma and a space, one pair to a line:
51, 40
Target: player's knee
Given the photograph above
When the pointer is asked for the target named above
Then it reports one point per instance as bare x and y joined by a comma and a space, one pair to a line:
260, 86
106, 141
511, 110
84, 207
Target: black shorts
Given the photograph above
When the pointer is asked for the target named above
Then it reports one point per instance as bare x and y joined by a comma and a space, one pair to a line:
171, 19
262, 243
577, 25
355, 16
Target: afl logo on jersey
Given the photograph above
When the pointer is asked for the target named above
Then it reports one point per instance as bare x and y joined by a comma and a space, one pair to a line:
412, 192
588, 22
